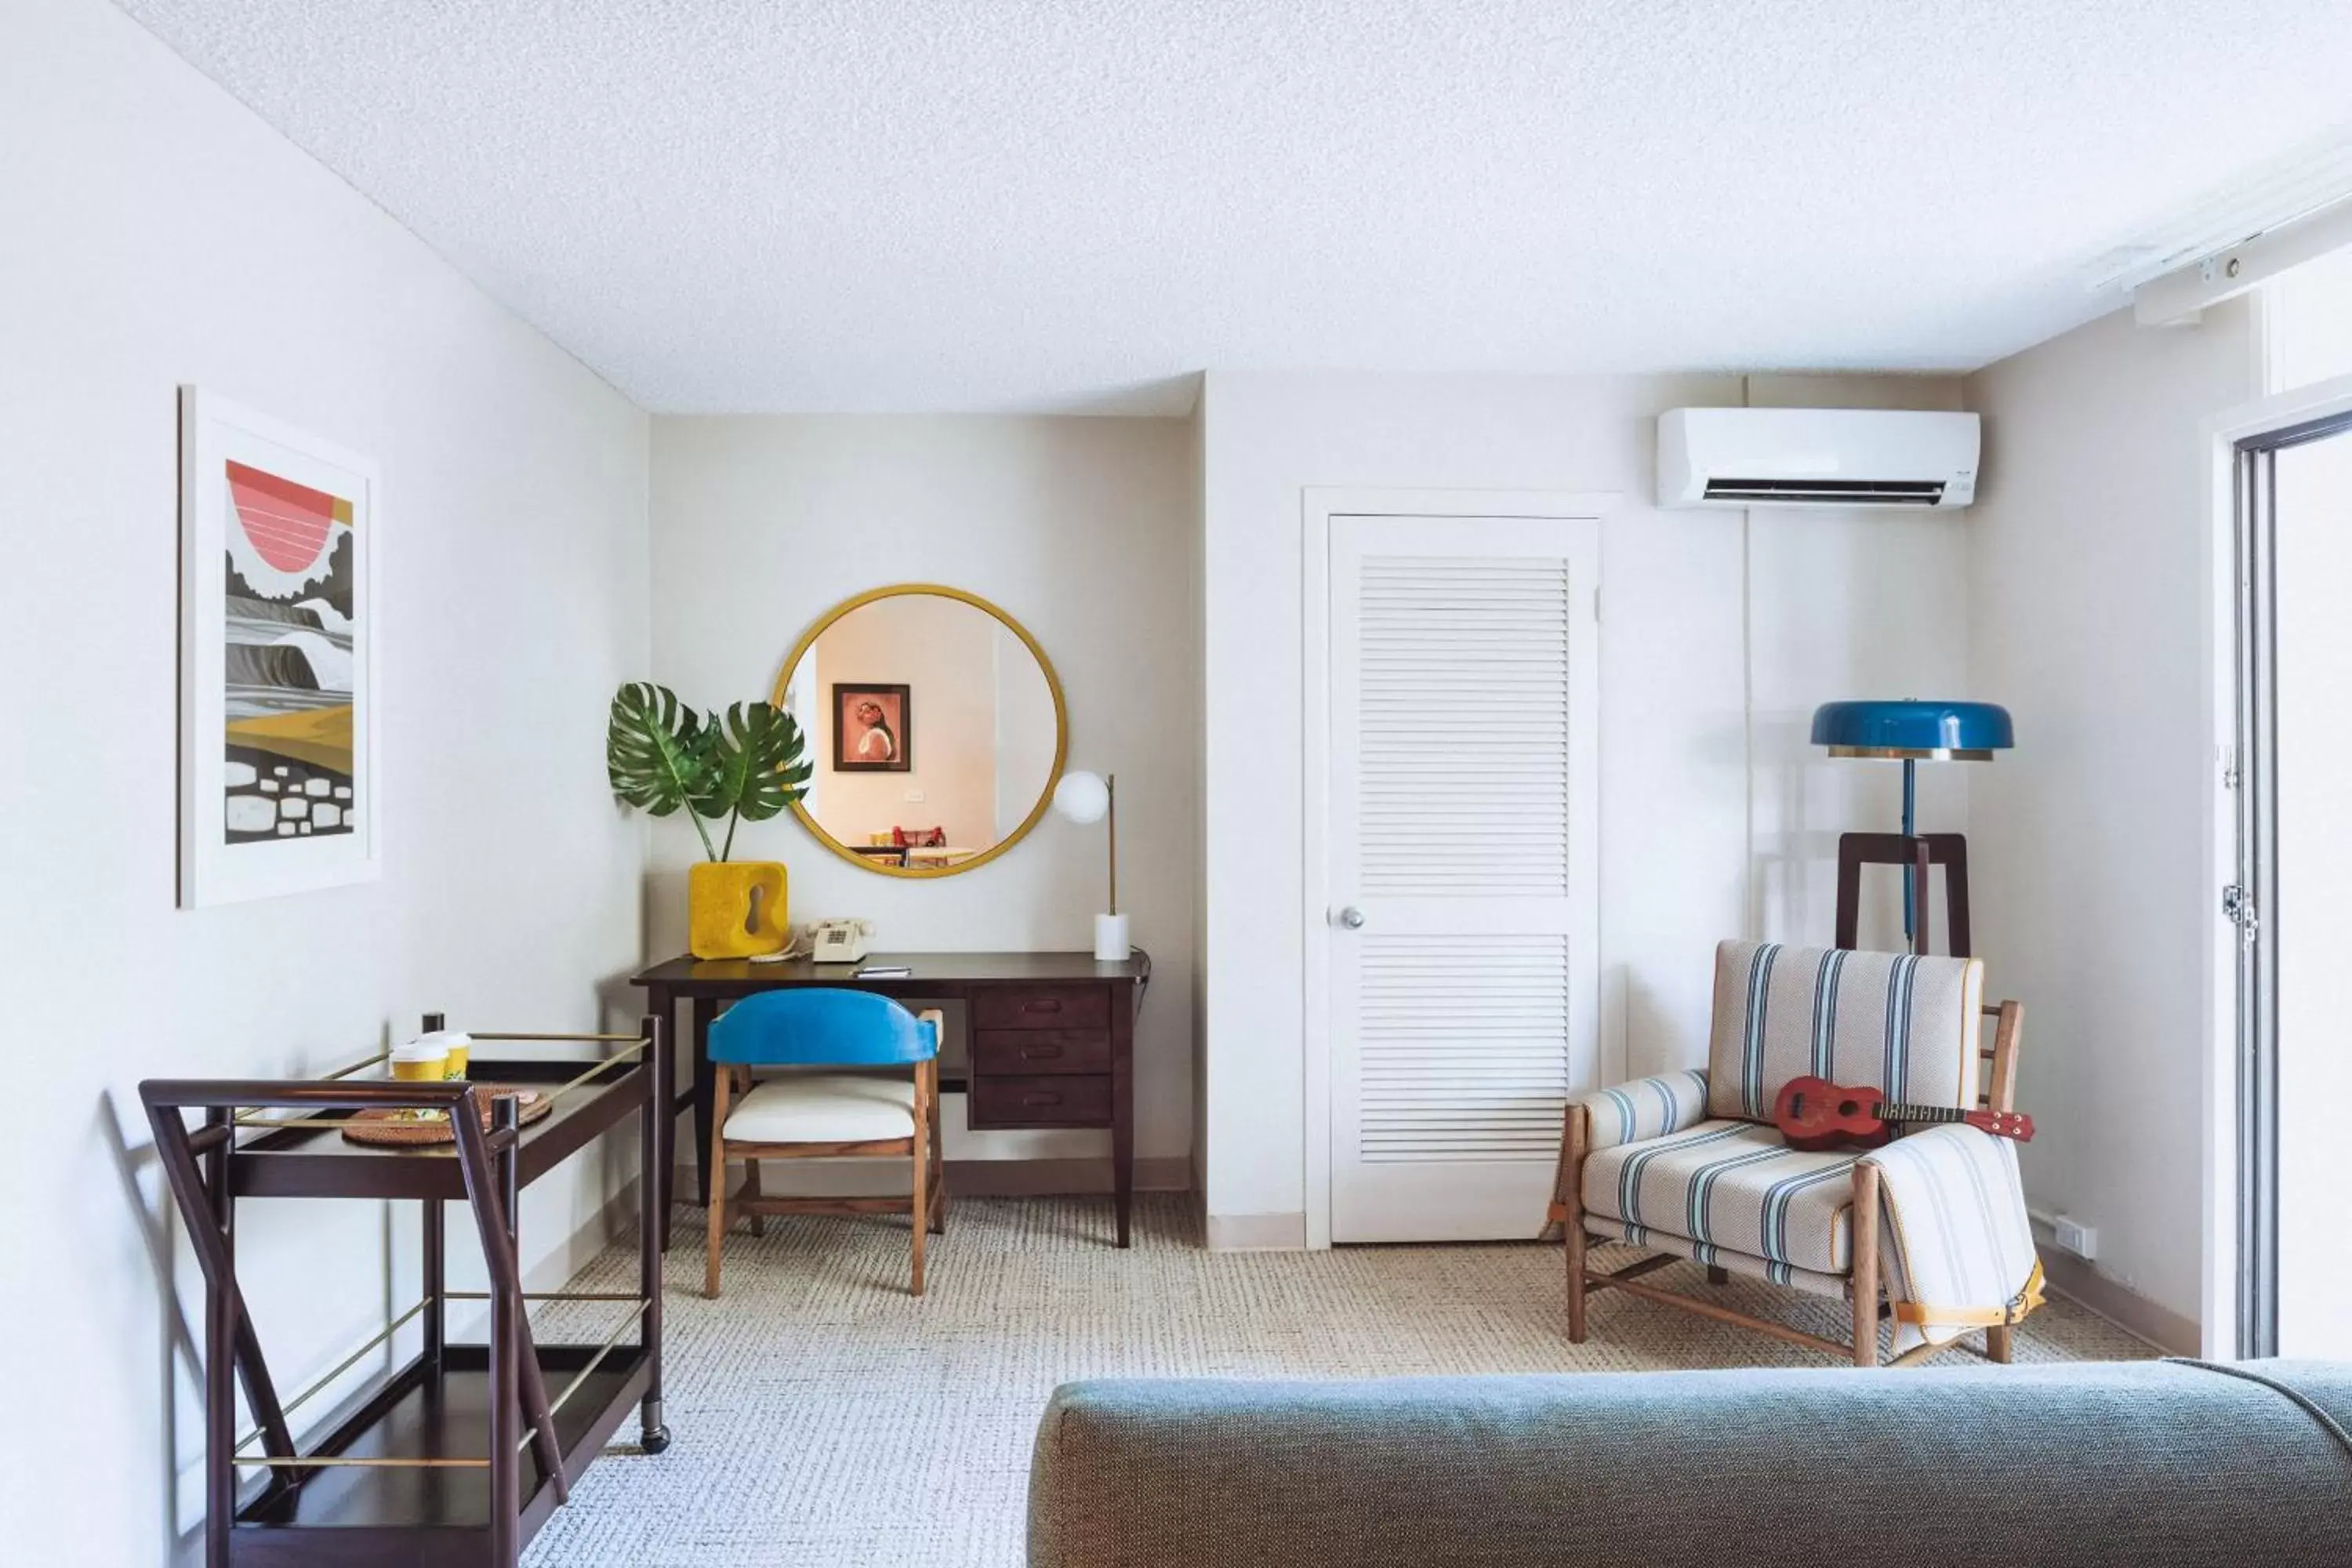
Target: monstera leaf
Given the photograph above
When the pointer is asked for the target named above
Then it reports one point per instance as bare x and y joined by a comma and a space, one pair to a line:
761, 765
662, 756
659, 752
756, 766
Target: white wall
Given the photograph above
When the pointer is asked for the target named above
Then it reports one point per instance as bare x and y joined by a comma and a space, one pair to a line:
156, 233
1838, 601
1848, 605
1079, 527
2307, 317
2087, 553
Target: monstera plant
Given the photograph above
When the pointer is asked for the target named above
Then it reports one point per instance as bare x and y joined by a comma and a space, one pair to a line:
746, 765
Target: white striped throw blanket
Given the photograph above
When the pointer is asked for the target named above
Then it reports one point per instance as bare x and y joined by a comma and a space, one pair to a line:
1955, 1244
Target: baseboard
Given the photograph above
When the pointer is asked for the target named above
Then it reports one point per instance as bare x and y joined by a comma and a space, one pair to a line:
1257, 1233
2126, 1309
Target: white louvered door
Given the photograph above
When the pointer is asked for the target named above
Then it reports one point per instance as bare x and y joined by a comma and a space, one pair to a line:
1463, 835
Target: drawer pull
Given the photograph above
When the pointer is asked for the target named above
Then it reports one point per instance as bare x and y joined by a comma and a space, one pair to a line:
1043, 1007
1043, 1100
1039, 1046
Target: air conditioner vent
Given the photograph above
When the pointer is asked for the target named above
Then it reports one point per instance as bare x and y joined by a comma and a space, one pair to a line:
1838, 492
1895, 460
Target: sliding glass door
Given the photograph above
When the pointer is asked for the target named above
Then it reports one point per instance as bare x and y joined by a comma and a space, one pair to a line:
2292, 899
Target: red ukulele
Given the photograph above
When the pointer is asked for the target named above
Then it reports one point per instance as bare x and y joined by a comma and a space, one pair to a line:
1814, 1113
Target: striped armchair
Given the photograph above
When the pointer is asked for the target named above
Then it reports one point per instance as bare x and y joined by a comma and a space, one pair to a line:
1688, 1165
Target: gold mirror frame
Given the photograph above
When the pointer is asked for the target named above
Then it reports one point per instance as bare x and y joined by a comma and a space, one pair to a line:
1053, 684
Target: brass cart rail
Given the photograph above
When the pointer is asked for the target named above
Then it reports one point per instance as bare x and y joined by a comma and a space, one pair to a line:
346, 1499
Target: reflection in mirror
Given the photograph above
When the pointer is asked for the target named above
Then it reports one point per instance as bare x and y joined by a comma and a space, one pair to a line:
934, 727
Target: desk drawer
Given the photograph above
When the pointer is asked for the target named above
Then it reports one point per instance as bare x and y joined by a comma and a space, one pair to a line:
1040, 1051
1039, 1101
1042, 1007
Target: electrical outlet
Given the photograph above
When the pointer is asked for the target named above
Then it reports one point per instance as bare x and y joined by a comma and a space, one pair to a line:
2072, 1235
915, 794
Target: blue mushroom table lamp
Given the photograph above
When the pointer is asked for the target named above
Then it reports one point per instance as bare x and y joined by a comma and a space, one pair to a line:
1910, 731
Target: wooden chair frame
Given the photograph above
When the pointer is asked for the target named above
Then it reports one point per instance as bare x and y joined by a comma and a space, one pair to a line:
1999, 1093
927, 1200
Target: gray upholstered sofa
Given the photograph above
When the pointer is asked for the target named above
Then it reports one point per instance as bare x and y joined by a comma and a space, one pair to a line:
2142, 1465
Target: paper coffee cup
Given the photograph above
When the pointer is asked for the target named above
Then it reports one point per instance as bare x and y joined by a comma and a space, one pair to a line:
424, 1059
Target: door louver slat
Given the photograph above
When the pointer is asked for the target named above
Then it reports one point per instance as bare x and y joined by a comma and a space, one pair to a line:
1464, 1048
1463, 726
1462, 853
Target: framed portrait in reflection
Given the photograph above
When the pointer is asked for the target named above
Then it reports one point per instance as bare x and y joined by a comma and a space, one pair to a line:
873, 729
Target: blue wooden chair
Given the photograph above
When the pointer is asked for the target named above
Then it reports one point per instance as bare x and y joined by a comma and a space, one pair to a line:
813, 1115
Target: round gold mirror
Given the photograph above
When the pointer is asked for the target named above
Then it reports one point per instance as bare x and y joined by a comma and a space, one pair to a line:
936, 730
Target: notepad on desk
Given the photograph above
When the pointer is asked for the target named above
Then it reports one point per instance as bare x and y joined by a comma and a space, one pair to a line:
883, 971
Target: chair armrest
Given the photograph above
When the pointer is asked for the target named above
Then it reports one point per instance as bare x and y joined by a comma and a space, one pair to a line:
1645, 1108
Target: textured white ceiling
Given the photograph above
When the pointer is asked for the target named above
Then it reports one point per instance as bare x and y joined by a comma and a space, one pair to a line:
902, 205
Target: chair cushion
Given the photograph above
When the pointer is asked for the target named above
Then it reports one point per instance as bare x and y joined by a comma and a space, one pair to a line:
1734, 1185
1881, 1020
824, 1108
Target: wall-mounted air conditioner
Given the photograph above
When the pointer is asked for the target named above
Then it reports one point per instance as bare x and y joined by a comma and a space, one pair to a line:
1815, 457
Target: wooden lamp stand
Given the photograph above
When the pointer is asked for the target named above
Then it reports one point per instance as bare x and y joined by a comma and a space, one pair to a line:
1914, 852
1909, 731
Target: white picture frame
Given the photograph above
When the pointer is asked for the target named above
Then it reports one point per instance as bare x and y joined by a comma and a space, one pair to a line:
278, 703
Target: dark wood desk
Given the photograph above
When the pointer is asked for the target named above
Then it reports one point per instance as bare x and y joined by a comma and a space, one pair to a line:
1053, 1035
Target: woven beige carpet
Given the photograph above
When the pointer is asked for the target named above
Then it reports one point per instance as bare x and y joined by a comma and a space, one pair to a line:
823, 1416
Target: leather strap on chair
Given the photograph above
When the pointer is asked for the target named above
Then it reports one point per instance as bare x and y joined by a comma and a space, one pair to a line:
2023, 1302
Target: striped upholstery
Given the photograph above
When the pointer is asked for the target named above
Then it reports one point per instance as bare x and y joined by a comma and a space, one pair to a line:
1836, 1287
1885, 1020
1645, 1108
1955, 1238
1733, 1185
1689, 1164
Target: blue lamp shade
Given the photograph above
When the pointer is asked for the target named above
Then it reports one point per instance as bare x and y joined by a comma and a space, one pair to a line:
1940, 731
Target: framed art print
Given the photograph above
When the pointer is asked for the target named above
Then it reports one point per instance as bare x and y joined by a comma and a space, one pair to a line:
277, 759
873, 729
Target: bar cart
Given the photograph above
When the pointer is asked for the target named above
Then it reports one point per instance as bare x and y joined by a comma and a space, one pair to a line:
460, 1455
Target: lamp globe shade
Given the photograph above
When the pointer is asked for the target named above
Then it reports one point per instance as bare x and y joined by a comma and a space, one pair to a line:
1082, 797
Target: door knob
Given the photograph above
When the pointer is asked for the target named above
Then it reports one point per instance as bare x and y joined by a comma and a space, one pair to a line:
1352, 918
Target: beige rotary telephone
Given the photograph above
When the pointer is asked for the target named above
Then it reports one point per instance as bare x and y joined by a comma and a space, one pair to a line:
839, 942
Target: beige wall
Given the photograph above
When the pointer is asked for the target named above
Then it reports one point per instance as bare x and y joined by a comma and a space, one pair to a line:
1080, 529
157, 233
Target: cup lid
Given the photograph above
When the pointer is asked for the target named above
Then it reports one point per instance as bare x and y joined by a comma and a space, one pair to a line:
429, 1048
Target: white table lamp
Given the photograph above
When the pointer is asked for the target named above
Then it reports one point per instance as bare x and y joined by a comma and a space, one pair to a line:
1090, 797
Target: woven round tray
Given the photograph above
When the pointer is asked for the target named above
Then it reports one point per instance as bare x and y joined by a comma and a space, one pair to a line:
394, 1128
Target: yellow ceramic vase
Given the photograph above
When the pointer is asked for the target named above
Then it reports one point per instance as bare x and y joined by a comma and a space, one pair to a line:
735, 908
